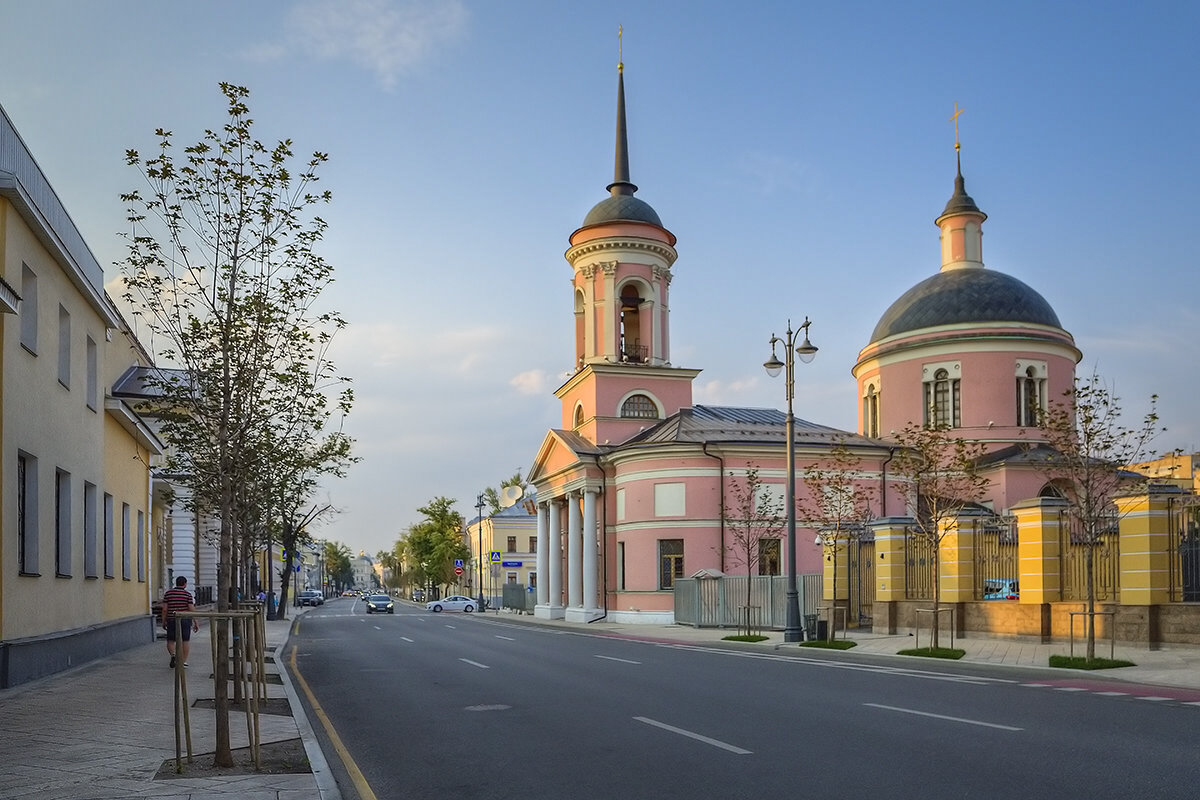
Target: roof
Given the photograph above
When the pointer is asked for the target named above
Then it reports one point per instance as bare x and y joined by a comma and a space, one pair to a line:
965, 296
704, 424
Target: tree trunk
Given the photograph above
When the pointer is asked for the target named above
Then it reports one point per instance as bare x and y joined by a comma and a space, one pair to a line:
937, 580
1091, 602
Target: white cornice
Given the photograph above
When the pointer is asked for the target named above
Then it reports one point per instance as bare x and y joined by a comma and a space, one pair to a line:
134, 425
663, 251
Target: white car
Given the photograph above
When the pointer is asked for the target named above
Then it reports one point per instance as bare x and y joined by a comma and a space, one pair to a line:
455, 602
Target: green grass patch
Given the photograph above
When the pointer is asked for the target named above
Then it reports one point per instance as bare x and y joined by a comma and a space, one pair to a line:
952, 653
836, 644
1081, 662
745, 637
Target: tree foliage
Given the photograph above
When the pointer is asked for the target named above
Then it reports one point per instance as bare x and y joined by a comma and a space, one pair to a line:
1090, 448
940, 475
431, 546
222, 270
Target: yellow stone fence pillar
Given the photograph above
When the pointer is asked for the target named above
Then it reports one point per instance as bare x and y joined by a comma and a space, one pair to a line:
1039, 540
956, 558
889, 533
836, 567
1145, 578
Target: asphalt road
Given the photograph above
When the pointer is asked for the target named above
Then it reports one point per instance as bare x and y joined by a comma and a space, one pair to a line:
465, 706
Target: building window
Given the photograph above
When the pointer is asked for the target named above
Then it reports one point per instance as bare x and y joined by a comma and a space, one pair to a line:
871, 412
126, 561
670, 562
27, 514
109, 561
578, 417
621, 566
532, 579
29, 309
768, 557
942, 400
1031, 393
62, 523
533, 544
511, 544
141, 546
93, 375
64, 347
89, 530
639, 406
511, 578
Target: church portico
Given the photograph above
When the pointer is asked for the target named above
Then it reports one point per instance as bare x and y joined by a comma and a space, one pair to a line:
576, 543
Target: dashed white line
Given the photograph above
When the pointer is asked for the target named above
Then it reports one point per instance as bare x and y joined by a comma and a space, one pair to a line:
622, 660
1113, 694
1153, 699
405, 638
474, 663
1069, 689
943, 716
505, 638
699, 738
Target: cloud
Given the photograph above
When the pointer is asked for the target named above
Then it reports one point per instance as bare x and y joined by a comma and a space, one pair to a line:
530, 382
385, 37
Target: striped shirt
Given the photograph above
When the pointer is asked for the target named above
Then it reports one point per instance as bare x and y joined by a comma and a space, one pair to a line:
176, 599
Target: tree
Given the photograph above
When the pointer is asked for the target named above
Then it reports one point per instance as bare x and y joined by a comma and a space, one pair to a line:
940, 474
1090, 448
753, 518
433, 545
838, 504
339, 571
222, 268
491, 495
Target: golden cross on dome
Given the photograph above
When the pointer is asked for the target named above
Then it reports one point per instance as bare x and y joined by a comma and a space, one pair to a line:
954, 119
620, 49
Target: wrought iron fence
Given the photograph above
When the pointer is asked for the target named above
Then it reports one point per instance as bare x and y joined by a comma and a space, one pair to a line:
1106, 558
861, 572
1184, 543
920, 550
996, 560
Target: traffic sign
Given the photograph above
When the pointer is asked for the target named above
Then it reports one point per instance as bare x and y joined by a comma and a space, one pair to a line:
458, 570
495, 555
458, 562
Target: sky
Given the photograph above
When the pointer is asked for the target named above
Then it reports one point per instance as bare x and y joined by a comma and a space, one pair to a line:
800, 152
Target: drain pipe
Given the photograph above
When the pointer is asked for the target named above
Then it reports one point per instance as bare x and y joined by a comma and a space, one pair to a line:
721, 533
883, 482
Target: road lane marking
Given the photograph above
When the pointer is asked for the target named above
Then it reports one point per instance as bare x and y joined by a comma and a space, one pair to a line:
622, 660
377, 628
943, 716
1192, 704
451, 627
696, 736
505, 638
1113, 694
1155, 699
474, 663
1069, 689
356, 777
405, 638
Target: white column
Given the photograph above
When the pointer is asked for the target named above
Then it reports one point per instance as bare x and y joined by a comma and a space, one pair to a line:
590, 574
574, 554
553, 608
543, 547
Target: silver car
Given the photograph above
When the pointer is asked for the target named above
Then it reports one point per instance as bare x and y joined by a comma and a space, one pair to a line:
455, 602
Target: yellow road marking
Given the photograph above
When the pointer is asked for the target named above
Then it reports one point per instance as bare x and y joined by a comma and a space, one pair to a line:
356, 777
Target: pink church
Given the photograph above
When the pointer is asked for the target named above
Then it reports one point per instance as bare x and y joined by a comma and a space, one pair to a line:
631, 487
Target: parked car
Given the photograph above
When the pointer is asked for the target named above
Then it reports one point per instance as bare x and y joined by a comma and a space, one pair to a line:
418, 595
379, 602
1003, 589
454, 602
310, 597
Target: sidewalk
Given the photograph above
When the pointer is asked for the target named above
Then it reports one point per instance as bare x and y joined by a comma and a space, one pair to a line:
103, 730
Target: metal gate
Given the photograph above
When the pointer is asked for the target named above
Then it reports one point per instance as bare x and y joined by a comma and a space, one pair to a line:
861, 566
1184, 514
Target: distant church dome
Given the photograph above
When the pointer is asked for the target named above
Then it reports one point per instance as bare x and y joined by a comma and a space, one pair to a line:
965, 296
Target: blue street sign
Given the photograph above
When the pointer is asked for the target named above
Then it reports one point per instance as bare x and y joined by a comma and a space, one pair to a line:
510, 564
458, 562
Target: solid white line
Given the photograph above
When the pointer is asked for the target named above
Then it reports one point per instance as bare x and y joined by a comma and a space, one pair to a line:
405, 638
942, 716
1037, 685
505, 638
1191, 704
622, 660
474, 663
695, 736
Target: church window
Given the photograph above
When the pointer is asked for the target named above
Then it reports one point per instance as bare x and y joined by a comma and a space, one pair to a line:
871, 412
942, 401
670, 562
768, 557
578, 417
632, 349
1031, 393
640, 406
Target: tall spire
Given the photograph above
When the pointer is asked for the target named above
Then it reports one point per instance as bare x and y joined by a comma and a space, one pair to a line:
960, 202
621, 183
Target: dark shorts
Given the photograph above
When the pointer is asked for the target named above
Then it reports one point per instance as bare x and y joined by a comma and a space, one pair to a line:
187, 630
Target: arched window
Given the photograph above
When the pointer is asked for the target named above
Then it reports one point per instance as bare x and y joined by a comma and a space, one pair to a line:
640, 406
1031, 396
578, 417
942, 402
871, 412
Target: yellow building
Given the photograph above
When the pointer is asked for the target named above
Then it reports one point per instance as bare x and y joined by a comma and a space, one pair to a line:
1174, 469
504, 544
76, 491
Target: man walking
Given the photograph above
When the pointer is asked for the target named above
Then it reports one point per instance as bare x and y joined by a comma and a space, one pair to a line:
176, 600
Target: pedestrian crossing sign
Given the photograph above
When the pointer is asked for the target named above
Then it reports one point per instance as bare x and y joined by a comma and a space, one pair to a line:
495, 556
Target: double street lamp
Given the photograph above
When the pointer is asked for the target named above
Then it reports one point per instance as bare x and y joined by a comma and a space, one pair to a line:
806, 351
479, 553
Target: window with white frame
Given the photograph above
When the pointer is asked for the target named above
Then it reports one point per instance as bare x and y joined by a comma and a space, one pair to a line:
639, 406
942, 395
871, 410
1031, 392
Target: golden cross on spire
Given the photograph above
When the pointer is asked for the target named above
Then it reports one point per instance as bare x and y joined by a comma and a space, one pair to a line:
954, 119
620, 49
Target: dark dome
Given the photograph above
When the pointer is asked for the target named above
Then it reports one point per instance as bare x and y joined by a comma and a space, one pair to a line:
965, 295
621, 208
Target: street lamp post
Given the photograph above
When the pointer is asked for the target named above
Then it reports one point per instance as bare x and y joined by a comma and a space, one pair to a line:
806, 350
479, 553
